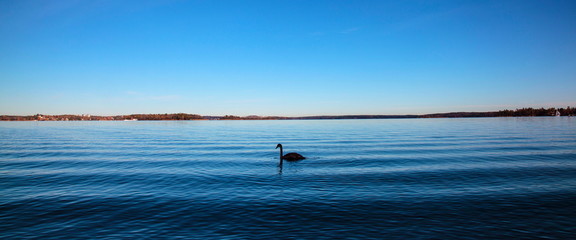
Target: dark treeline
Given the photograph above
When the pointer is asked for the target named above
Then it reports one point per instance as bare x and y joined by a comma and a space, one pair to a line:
526, 112
522, 112
166, 116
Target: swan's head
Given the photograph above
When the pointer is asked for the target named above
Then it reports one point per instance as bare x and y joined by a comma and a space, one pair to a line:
279, 145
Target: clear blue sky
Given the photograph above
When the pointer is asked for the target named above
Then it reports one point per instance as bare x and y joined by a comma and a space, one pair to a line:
291, 58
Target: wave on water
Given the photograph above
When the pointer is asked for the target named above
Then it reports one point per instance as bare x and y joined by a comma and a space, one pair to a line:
493, 178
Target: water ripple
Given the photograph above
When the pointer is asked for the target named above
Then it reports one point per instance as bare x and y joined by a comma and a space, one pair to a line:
363, 179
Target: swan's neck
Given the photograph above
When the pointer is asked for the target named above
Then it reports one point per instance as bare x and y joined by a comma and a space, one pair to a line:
281, 161
281, 153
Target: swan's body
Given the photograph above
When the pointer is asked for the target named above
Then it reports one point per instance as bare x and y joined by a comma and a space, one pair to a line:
289, 156
293, 157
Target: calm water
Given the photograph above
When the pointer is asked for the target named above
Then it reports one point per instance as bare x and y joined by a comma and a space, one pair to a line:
499, 178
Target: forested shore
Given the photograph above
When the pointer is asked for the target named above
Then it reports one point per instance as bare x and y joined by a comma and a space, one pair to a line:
522, 112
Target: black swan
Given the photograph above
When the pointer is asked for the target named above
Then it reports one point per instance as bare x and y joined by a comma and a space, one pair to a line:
289, 156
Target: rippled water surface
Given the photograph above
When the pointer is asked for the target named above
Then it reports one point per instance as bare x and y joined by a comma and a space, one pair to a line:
499, 178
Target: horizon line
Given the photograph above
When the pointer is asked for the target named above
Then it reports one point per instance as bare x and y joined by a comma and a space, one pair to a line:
519, 112
255, 115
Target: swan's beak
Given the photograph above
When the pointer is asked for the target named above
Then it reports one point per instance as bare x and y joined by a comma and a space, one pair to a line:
277, 146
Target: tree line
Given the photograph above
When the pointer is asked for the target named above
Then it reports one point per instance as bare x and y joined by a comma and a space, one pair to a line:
158, 117
69, 117
532, 112
522, 112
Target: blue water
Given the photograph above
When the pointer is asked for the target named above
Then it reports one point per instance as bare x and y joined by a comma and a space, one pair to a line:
484, 178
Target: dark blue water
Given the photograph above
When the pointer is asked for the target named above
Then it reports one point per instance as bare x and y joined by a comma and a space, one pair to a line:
486, 178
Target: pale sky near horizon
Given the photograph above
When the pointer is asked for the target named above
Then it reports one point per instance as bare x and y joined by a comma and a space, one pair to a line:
290, 58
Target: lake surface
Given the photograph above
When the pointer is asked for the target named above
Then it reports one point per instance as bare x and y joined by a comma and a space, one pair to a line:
482, 178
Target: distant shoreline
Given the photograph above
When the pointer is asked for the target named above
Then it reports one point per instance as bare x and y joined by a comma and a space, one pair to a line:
523, 112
